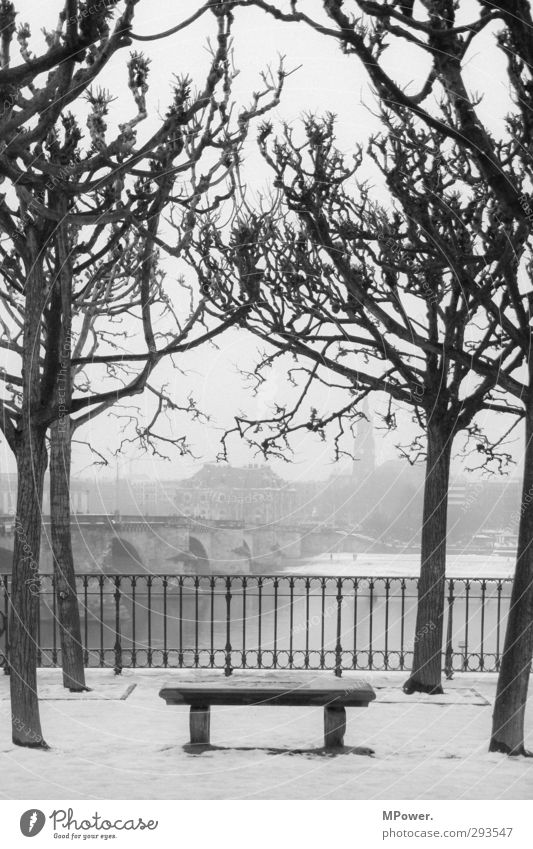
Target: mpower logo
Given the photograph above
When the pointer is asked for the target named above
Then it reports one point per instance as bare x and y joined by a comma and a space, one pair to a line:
32, 822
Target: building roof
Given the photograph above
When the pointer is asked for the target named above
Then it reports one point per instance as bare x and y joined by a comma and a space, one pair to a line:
215, 475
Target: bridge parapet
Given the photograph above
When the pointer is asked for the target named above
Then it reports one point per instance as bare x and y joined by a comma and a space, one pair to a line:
180, 544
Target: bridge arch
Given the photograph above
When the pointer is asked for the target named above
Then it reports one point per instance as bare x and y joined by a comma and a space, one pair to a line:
199, 552
123, 556
246, 549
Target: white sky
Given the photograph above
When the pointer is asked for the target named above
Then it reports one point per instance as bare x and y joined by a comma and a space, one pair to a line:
326, 80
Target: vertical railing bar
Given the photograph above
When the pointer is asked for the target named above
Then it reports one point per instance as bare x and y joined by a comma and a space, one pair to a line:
243, 655
322, 623
355, 602
196, 624
402, 625
118, 645
498, 624
165, 622
180, 630
275, 657
102, 651
149, 605
133, 621
371, 624
307, 588
259, 622
85, 584
228, 667
467, 617
448, 657
212, 626
291, 621
338, 646
387, 596
482, 644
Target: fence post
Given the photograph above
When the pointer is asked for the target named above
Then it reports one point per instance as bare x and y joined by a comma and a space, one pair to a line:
165, 625
149, 653
212, 584
275, 652
371, 585
196, 656
118, 645
259, 622
85, 585
180, 632
448, 659
387, 600
244, 583
228, 668
291, 622
338, 647
467, 622
402, 625
482, 643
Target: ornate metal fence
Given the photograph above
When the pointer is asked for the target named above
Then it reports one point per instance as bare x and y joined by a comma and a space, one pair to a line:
268, 622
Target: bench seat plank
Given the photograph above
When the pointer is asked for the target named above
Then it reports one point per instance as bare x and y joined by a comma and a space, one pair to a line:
268, 697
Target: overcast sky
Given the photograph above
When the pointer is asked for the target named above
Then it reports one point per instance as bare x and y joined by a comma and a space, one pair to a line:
325, 80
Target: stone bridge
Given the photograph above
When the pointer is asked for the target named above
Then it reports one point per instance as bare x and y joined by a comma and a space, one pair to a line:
174, 545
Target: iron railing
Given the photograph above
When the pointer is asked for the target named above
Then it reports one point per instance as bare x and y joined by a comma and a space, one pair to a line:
268, 622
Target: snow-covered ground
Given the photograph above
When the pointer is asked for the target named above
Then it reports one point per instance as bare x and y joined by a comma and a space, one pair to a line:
113, 748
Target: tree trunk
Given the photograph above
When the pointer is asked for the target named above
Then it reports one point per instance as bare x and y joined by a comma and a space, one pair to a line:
30, 453
31, 465
60, 456
65, 578
511, 692
427, 659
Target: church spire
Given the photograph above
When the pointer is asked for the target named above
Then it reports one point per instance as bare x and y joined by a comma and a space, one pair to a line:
364, 449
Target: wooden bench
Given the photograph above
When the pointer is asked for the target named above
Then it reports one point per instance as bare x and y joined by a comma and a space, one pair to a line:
249, 688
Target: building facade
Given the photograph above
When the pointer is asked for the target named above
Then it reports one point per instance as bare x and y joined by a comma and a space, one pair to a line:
79, 495
252, 494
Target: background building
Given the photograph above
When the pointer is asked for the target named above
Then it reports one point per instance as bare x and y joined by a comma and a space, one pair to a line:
253, 494
79, 495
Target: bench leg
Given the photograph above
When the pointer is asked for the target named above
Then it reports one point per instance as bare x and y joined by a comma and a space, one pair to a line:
199, 724
334, 727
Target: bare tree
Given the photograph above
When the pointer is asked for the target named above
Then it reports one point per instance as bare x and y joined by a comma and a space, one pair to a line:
28, 215
70, 200
444, 103
375, 297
